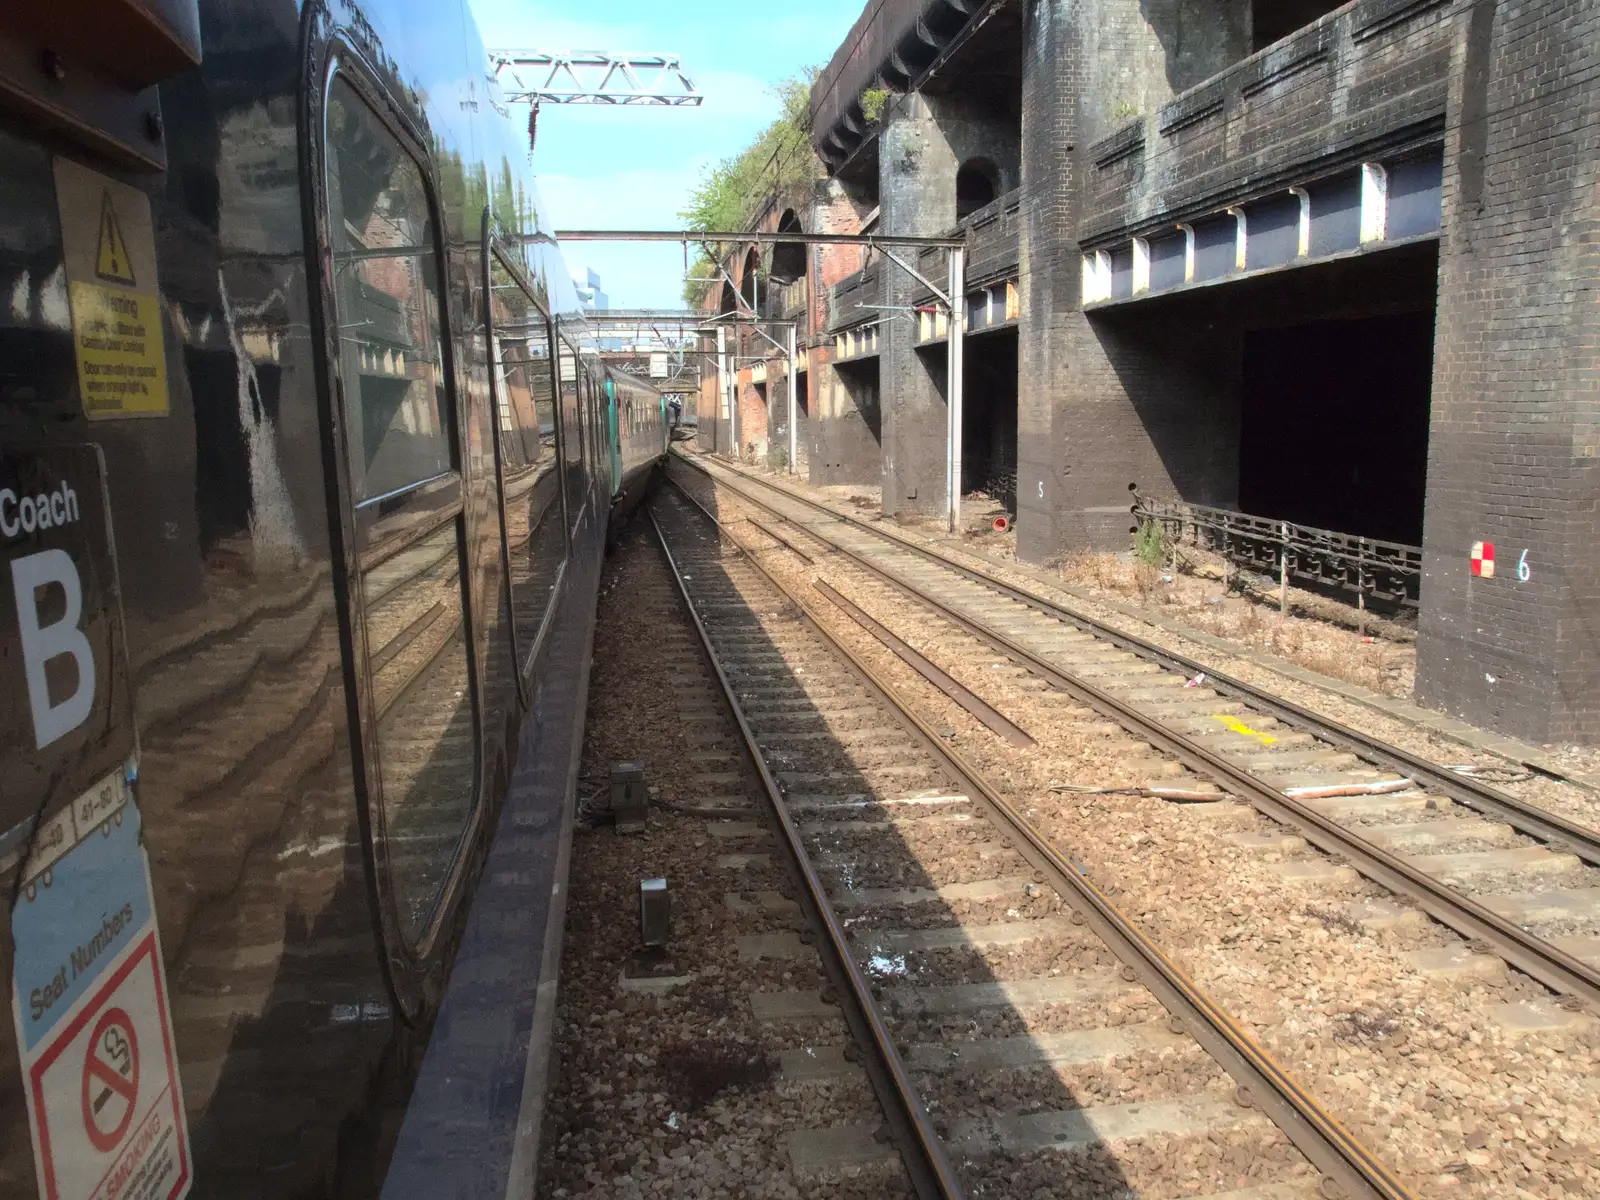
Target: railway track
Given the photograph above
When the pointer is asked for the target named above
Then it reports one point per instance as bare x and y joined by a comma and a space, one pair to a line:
1513, 880
988, 980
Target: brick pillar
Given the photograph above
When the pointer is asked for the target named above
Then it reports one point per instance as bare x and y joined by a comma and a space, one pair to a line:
917, 195
1079, 443
842, 448
753, 432
924, 141
708, 401
1514, 438
1106, 401
1048, 272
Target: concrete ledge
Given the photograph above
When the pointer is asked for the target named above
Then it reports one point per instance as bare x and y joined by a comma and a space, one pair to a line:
821, 1151
1087, 987
1046, 1049
1456, 964
1538, 1016
1004, 933
807, 1064
1075, 1129
980, 889
769, 1007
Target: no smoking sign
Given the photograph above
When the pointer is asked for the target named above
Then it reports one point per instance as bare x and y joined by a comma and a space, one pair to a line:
90, 1003
110, 1080
108, 1120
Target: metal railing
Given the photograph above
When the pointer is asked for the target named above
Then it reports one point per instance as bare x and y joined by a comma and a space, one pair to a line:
1390, 572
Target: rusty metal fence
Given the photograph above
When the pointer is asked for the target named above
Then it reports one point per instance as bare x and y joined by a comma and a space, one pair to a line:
1371, 569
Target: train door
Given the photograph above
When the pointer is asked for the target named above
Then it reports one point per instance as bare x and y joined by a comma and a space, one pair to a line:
613, 425
598, 471
522, 382
573, 450
402, 520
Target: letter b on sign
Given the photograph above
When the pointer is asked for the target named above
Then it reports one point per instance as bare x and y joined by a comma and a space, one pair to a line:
59, 639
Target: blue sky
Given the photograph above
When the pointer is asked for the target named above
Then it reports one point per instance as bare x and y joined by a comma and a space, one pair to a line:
633, 168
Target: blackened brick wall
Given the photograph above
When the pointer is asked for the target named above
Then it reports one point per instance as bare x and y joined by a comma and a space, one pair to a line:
1359, 83
924, 141
1096, 410
1514, 451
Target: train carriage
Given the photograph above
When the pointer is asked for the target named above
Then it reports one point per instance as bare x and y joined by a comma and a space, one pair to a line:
305, 471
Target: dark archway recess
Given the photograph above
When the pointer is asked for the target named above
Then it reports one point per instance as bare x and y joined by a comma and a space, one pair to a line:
1274, 20
788, 261
860, 380
1335, 424
989, 418
977, 184
747, 278
729, 300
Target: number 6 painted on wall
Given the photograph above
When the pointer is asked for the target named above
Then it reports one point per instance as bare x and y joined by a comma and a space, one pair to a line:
1524, 573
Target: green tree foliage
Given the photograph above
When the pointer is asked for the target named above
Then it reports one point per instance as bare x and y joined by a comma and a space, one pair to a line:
733, 192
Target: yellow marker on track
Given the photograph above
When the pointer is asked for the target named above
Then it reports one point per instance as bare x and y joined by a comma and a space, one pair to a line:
1239, 727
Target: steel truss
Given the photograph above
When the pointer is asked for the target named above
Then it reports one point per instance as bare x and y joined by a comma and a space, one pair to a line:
594, 77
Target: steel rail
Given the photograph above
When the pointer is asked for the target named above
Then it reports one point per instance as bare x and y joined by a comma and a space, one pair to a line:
1549, 964
932, 1174
1263, 1082
1552, 828
776, 536
992, 718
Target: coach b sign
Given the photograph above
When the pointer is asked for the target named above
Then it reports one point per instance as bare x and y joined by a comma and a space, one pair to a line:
65, 717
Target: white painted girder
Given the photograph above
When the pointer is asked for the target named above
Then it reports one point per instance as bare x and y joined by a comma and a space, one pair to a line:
594, 77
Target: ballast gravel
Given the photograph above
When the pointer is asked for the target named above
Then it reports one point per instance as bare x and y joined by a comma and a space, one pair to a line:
678, 1094
1418, 1067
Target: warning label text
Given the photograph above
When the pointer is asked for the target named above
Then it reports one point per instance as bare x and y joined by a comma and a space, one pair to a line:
122, 365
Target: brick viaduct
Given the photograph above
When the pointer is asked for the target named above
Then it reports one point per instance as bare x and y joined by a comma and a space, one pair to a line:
1319, 262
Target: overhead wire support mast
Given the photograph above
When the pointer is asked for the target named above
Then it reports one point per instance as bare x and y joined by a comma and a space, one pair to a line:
595, 77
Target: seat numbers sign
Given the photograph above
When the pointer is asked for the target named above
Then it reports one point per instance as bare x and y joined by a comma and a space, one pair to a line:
94, 1025
88, 992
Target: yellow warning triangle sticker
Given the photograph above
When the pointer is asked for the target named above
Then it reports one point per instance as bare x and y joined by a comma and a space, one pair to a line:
112, 260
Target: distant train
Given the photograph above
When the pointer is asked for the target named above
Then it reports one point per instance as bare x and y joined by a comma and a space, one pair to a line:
306, 464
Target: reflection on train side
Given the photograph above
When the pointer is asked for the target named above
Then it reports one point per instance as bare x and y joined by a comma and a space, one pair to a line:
421, 693
572, 446
529, 451
421, 717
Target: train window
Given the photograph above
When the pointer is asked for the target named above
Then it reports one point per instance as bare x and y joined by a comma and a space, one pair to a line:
421, 720
597, 406
523, 377
572, 423
388, 294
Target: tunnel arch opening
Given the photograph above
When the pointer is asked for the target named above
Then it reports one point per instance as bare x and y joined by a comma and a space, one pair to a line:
747, 277
788, 260
977, 184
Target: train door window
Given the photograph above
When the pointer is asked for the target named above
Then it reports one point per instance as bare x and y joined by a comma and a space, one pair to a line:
524, 381
572, 422
602, 441
419, 708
